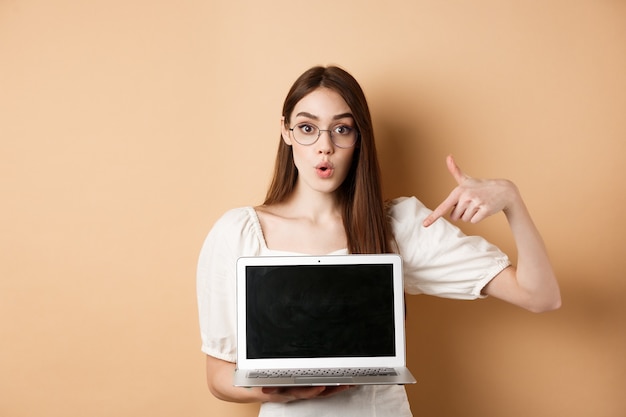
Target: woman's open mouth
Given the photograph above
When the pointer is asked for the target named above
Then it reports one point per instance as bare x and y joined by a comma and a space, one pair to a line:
324, 170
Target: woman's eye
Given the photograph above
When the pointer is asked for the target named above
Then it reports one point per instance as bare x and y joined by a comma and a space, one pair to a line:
307, 129
343, 130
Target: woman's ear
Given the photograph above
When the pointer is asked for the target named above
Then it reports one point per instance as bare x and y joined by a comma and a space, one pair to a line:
285, 131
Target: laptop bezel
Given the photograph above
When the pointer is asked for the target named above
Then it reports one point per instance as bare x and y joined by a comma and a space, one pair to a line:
397, 360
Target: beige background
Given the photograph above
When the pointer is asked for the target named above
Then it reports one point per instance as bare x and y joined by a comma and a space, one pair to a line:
128, 127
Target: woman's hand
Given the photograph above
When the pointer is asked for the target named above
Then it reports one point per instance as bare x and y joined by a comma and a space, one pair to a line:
288, 394
474, 199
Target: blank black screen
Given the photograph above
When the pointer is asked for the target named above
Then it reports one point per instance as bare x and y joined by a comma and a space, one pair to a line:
308, 311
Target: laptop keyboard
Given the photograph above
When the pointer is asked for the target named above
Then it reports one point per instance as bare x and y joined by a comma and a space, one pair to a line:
292, 373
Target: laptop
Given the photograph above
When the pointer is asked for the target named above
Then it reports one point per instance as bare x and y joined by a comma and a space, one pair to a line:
320, 320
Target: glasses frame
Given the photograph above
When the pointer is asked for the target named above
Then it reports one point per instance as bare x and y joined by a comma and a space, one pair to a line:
330, 133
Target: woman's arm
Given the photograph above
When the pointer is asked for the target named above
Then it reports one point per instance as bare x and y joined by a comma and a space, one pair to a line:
532, 285
220, 381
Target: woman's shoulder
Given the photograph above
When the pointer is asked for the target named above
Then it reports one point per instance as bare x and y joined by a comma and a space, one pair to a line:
401, 208
236, 228
235, 220
406, 216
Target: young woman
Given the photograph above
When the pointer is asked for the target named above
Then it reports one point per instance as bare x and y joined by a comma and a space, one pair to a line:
325, 198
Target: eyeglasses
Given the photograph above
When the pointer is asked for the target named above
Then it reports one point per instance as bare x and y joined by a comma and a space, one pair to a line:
341, 135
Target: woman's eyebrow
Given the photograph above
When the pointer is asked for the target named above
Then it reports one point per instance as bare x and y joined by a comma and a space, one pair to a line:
343, 115
314, 117
307, 114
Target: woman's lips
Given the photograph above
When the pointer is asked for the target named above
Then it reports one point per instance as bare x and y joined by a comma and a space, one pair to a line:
324, 170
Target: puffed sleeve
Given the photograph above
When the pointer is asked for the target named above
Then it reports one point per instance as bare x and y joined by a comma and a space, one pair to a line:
440, 260
232, 236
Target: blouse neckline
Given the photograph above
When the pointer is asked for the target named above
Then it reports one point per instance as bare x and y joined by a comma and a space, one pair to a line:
256, 223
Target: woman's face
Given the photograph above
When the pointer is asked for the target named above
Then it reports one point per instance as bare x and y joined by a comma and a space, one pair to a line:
322, 166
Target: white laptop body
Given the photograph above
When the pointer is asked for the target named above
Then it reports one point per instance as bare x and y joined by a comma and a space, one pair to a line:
320, 320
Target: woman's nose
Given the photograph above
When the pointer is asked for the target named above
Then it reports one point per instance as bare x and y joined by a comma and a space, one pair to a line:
324, 142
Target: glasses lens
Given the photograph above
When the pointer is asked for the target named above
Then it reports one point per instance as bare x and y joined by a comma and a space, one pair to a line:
305, 134
343, 136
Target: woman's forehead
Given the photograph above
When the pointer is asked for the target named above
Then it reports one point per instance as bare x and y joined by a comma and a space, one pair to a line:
322, 103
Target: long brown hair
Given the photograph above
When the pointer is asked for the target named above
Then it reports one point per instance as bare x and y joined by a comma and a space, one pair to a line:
360, 195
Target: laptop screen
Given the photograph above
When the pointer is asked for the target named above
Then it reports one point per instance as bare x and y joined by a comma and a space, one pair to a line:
309, 311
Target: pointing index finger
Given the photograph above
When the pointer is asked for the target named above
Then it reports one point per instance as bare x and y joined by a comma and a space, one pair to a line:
441, 210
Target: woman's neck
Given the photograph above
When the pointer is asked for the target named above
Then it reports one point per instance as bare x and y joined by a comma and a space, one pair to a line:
304, 223
313, 205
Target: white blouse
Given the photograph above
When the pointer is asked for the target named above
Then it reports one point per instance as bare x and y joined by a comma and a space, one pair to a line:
438, 260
